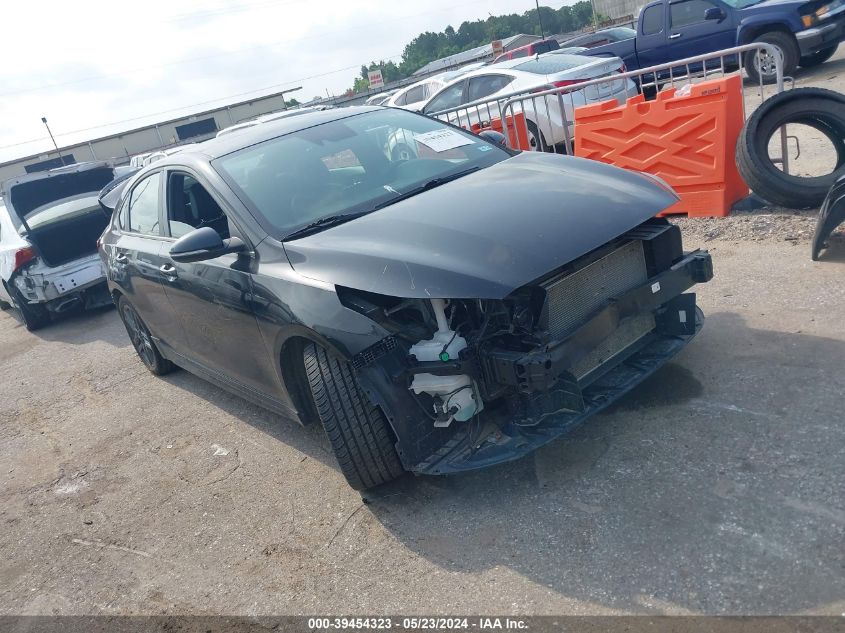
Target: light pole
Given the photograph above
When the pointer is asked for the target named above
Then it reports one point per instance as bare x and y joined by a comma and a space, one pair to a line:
540, 20
595, 16
44, 121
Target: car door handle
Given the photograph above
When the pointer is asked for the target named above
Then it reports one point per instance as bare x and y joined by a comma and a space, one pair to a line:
169, 271
674, 36
120, 258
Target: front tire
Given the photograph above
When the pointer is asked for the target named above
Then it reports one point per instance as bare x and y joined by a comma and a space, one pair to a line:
762, 65
358, 431
142, 340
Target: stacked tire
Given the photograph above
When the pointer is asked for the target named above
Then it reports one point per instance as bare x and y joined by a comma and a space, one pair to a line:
823, 110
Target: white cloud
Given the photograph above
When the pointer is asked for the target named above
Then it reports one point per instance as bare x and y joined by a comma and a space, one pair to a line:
94, 62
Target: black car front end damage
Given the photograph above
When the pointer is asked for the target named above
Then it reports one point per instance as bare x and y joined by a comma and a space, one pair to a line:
536, 363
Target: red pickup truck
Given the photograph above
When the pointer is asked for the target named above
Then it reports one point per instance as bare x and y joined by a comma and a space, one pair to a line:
535, 48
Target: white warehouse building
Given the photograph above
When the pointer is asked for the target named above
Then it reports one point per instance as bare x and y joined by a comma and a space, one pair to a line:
120, 147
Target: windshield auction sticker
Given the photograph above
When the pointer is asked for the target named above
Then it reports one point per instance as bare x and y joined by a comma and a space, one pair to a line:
443, 140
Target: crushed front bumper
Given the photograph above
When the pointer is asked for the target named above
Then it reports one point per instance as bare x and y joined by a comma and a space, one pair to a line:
559, 397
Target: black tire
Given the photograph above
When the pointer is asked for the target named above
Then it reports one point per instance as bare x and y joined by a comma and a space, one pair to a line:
788, 46
536, 141
818, 58
34, 316
142, 341
402, 151
821, 109
360, 435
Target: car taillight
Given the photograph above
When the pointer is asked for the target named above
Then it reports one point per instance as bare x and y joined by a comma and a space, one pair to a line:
23, 255
559, 84
623, 68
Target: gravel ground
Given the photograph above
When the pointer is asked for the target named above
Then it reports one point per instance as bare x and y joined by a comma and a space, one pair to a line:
716, 487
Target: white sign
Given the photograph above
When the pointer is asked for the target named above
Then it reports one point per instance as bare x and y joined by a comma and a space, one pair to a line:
497, 47
443, 139
375, 78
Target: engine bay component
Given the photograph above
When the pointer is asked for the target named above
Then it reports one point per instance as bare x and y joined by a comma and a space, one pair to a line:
455, 397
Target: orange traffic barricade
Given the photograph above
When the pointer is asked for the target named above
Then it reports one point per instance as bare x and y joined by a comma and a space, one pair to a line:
688, 140
515, 130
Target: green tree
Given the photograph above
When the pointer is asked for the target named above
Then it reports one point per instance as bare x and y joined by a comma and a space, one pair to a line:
427, 47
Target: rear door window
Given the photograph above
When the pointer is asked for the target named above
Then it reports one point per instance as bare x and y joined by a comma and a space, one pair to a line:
415, 94
144, 206
486, 85
449, 98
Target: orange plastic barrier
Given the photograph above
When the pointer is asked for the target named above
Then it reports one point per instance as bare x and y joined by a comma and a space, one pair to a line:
517, 131
689, 141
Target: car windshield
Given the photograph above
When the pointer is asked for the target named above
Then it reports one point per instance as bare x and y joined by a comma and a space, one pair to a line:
349, 166
741, 4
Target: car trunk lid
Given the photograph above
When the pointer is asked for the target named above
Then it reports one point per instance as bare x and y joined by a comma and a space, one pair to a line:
52, 210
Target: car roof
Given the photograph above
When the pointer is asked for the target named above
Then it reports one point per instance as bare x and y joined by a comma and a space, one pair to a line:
509, 66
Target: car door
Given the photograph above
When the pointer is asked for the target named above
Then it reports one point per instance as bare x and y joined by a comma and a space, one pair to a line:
691, 34
650, 43
481, 87
213, 299
448, 98
135, 258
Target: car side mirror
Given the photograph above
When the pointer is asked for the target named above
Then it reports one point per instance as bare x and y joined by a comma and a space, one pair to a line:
202, 244
714, 13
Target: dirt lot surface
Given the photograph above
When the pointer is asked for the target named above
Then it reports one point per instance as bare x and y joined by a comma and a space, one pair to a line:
716, 487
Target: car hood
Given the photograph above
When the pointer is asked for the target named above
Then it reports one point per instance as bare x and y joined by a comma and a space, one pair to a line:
766, 5
486, 234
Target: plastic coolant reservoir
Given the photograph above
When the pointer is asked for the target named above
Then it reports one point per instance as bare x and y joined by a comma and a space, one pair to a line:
456, 394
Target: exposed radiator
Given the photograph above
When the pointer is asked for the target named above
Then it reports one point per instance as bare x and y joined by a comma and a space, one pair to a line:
572, 298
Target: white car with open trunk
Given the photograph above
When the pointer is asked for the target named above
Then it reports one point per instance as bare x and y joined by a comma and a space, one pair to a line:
49, 225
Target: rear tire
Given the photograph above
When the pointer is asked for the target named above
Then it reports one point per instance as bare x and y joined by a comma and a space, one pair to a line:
34, 316
818, 58
536, 142
142, 340
788, 47
358, 431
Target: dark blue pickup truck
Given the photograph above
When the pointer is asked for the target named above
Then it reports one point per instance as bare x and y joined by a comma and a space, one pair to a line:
807, 32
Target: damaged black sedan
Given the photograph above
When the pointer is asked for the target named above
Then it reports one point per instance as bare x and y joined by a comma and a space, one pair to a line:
438, 313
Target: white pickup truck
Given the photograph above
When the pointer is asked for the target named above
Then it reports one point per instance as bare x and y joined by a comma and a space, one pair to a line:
49, 225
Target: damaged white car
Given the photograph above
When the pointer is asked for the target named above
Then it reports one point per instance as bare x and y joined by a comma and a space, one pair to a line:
49, 225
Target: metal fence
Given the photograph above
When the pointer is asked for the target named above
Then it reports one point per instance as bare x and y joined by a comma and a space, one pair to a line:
543, 119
